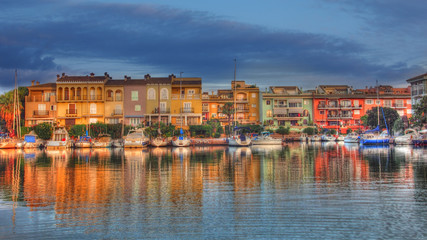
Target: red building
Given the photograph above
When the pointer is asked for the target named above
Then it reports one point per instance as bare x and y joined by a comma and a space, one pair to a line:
340, 107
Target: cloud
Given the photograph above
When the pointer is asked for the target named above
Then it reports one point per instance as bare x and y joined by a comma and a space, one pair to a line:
174, 40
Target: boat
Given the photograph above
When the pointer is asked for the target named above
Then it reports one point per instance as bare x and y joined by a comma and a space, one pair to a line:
328, 138
31, 140
103, 141
315, 138
421, 140
304, 137
83, 142
117, 143
352, 138
374, 139
181, 140
238, 139
265, 139
136, 139
6, 142
60, 140
159, 142
339, 138
407, 138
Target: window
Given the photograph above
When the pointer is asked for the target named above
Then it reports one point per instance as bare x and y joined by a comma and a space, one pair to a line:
253, 95
134, 121
322, 112
305, 102
268, 102
53, 107
187, 107
400, 112
113, 121
269, 113
164, 93
387, 103
213, 115
191, 91
93, 108
369, 101
93, 120
377, 102
213, 105
254, 105
137, 108
253, 114
408, 101
134, 95
356, 103
42, 107
356, 111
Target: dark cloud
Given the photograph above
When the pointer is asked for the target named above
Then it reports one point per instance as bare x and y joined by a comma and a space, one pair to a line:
174, 40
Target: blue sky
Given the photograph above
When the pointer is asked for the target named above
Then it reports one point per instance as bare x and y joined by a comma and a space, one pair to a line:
276, 42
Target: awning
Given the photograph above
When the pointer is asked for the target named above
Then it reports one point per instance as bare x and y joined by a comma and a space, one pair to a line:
295, 110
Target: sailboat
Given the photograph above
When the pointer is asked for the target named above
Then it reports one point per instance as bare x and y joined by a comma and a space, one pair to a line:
6, 142
266, 139
181, 140
373, 137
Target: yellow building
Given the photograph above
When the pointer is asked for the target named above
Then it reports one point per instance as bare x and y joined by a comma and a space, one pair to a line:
80, 99
114, 101
246, 98
186, 104
158, 101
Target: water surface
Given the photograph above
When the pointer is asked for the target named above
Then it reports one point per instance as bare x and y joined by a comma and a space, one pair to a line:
294, 191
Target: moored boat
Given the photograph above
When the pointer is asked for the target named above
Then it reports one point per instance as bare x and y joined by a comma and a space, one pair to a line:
375, 139
159, 142
327, 138
83, 142
135, 139
238, 139
352, 138
103, 141
266, 139
421, 140
60, 140
315, 138
31, 140
407, 138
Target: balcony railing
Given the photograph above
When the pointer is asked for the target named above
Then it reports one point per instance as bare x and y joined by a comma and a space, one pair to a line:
109, 99
71, 113
327, 106
187, 110
340, 116
205, 109
117, 112
280, 105
399, 105
240, 109
156, 110
241, 100
40, 113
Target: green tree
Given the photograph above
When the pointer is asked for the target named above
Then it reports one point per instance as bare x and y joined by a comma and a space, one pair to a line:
390, 115
398, 126
7, 107
228, 110
309, 131
419, 116
283, 131
44, 131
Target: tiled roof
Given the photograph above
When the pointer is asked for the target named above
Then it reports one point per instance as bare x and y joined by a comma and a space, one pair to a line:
66, 78
418, 77
115, 82
45, 85
156, 80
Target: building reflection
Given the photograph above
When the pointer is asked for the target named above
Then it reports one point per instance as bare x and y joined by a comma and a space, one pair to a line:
82, 185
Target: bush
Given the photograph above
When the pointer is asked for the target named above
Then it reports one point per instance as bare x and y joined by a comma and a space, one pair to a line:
333, 131
349, 130
309, 131
77, 130
44, 131
283, 131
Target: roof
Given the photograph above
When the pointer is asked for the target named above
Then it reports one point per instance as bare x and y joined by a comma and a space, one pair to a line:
422, 76
115, 82
45, 85
158, 80
187, 82
133, 82
65, 79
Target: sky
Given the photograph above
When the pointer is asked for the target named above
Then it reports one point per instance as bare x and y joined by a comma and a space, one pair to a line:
301, 43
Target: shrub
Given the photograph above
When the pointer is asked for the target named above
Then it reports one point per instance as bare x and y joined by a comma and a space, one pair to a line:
44, 131
283, 131
309, 131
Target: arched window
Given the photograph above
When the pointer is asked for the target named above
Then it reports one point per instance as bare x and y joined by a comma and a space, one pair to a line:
92, 94
151, 94
118, 95
93, 108
66, 94
269, 113
164, 93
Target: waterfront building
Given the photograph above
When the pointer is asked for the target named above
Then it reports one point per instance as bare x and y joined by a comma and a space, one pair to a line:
134, 104
80, 99
186, 102
114, 97
245, 99
286, 106
158, 101
213, 104
340, 107
40, 104
418, 87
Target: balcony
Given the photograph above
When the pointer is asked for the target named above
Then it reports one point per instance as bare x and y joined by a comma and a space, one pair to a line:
287, 117
109, 99
339, 106
242, 109
241, 100
187, 110
41, 113
340, 116
117, 112
162, 111
399, 105
205, 109
280, 105
71, 113
327, 106
37, 99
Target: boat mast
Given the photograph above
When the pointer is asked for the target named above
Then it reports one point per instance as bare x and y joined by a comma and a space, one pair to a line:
378, 106
180, 96
234, 94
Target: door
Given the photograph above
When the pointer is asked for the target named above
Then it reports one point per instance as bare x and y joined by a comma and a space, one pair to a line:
163, 107
72, 109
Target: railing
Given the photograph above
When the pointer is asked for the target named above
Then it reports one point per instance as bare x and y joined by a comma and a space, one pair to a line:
99, 97
399, 105
244, 109
109, 99
37, 113
340, 116
71, 113
320, 106
118, 99
117, 112
241, 100
205, 109
280, 106
156, 110
187, 110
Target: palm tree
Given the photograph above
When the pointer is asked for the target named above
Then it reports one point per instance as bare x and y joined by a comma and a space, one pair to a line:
228, 109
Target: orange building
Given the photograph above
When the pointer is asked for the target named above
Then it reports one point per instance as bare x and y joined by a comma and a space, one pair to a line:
40, 104
341, 106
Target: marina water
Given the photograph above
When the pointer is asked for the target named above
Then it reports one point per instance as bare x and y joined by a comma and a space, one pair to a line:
296, 191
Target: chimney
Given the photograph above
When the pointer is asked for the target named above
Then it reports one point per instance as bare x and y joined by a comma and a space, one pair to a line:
37, 83
57, 77
92, 74
147, 76
126, 78
63, 74
32, 82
